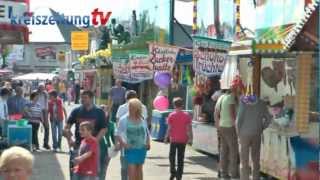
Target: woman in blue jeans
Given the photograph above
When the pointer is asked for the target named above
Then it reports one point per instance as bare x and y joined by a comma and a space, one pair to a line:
57, 114
134, 137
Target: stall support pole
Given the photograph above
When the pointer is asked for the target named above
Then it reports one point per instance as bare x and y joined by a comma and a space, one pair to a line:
171, 26
256, 74
318, 76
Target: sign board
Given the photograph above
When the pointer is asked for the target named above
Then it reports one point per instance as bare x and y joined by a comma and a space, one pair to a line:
140, 66
16, 53
209, 56
79, 40
184, 56
162, 57
9, 9
46, 53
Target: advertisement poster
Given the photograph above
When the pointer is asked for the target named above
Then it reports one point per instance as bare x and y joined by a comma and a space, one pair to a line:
162, 57
121, 70
44, 53
16, 53
140, 67
209, 56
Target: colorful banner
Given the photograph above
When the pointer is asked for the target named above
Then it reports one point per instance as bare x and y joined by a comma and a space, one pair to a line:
121, 70
140, 66
162, 57
45, 53
184, 56
209, 56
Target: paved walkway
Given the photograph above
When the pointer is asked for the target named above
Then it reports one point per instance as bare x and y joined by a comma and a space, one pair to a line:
54, 166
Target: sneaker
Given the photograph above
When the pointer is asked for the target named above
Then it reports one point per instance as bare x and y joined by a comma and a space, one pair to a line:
46, 146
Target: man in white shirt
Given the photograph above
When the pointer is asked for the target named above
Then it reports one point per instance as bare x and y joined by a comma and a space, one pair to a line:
43, 101
122, 111
124, 108
4, 115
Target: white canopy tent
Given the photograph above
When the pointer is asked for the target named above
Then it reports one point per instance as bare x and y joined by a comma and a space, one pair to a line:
35, 76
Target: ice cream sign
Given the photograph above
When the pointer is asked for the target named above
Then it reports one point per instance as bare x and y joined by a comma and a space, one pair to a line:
10, 9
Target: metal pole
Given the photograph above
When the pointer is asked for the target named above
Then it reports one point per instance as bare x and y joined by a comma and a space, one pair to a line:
171, 26
318, 70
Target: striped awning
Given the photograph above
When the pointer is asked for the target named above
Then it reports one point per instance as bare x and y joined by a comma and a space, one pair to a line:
297, 29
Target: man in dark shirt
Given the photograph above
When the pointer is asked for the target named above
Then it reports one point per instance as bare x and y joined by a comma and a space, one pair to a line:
17, 103
117, 96
86, 112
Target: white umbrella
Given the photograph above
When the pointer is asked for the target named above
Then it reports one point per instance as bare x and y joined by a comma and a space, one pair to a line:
35, 76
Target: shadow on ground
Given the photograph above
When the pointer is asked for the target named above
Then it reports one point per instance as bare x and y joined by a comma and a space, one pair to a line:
209, 162
47, 167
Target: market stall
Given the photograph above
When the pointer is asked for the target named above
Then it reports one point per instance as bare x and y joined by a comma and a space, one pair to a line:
209, 59
286, 74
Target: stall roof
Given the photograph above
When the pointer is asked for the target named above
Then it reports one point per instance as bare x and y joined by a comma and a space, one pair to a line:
300, 36
35, 76
304, 36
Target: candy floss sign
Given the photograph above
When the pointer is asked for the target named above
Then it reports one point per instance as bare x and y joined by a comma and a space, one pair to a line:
140, 67
209, 56
162, 57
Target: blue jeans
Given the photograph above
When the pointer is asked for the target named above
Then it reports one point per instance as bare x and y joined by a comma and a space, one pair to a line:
56, 129
81, 177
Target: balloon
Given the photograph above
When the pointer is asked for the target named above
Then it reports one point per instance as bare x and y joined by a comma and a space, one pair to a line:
161, 103
162, 79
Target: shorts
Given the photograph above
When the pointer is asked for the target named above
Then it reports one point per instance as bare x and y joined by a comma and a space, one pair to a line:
82, 177
135, 155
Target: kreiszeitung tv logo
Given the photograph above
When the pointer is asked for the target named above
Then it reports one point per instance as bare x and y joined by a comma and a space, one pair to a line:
97, 18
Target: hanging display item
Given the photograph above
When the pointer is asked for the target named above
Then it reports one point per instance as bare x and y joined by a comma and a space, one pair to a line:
209, 56
249, 96
162, 79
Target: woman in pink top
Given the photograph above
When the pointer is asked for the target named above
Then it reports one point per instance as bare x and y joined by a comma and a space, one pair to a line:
179, 133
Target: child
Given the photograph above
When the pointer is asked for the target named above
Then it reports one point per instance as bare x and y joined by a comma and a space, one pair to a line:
86, 164
179, 133
106, 143
16, 164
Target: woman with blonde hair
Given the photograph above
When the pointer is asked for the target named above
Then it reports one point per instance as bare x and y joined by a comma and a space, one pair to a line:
134, 138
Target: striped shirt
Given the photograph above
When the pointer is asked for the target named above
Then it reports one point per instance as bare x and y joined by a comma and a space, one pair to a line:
34, 112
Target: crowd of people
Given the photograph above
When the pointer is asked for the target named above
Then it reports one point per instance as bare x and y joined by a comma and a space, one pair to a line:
99, 130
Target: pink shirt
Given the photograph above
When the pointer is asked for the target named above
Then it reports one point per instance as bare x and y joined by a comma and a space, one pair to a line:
179, 122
